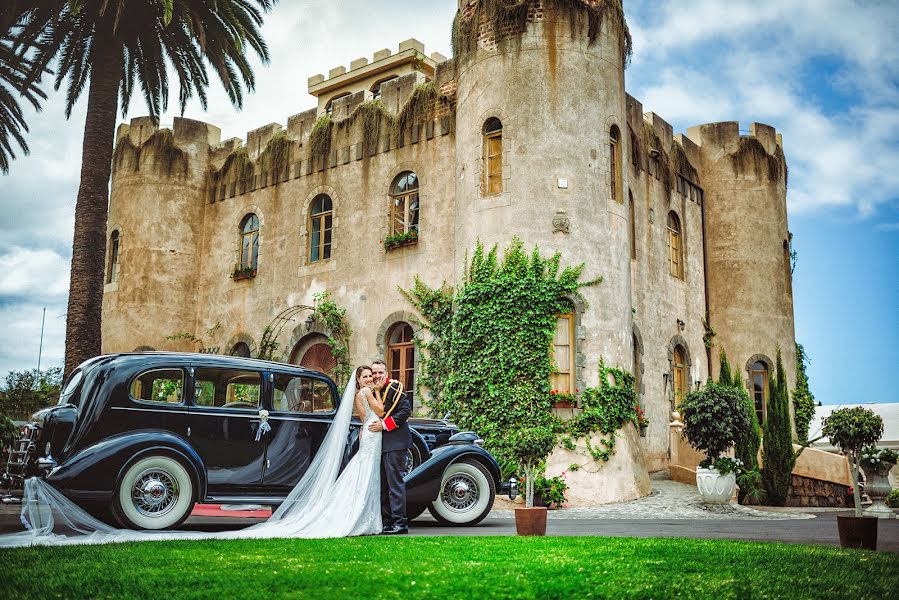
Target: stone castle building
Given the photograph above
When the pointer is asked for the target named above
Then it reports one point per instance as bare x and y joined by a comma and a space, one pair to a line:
528, 131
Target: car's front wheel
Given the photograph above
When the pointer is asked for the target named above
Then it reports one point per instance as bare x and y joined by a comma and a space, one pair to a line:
156, 492
466, 494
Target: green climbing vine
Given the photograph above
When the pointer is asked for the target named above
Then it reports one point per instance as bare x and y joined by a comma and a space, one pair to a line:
488, 359
339, 331
803, 399
436, 309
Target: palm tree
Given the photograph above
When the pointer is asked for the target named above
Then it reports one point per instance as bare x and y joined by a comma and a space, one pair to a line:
111, 47
15, 83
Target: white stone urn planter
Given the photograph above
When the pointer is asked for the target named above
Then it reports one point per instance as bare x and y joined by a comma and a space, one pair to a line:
714, 487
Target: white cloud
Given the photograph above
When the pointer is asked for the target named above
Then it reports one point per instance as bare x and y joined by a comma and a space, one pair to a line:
33, 274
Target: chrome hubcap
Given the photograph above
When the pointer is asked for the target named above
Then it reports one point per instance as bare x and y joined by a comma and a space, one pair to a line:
154, 493
460, 492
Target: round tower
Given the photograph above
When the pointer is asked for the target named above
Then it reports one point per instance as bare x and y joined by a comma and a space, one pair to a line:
155, 236
539, 147
748, 265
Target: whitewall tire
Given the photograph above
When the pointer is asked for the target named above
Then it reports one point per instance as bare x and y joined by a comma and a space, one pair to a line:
156, 492
466, 495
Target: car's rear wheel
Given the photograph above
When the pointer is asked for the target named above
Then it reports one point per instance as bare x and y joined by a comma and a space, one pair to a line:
156, 492
466, 494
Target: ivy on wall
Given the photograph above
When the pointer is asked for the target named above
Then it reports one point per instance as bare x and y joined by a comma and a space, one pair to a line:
488, 358
162, 145
803, 399
334, 318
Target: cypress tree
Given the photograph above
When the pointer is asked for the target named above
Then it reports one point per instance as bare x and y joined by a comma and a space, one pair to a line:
777, 453
747, 445
803, 399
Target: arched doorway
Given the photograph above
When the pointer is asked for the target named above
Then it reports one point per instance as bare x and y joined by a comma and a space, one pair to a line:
314, 352
401, 357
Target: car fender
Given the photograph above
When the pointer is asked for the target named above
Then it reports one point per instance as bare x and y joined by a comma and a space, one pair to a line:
93, 473
423, 484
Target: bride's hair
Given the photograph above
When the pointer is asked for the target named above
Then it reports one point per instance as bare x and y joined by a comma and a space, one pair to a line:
358, 373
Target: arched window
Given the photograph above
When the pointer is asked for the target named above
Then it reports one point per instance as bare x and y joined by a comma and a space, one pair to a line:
376, 88
321, 215
675, 247
404, 203
788, 271
493, 156
633, 216
401, 357
681, 376
615, 162
758, 377
249, 242
562, 378
329, 107
112, 270
240, 349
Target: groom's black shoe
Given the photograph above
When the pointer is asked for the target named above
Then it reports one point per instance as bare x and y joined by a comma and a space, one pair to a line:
394, 530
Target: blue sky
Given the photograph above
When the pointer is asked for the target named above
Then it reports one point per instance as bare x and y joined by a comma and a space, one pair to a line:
825, 73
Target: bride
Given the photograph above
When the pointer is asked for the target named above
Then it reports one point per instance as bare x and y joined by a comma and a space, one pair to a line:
321, 505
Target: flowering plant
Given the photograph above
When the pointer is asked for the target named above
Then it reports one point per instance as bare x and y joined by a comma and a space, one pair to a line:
560, 397
552, 490
640, 420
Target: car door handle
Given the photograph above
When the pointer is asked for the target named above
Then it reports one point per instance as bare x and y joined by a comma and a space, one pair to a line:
188, 432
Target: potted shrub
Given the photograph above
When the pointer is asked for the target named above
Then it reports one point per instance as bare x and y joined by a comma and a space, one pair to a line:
877, 464
640, 420
529, 447
852, 430
714, 417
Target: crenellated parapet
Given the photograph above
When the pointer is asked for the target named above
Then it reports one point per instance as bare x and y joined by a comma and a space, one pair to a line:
179, 152
759, 154
356, 130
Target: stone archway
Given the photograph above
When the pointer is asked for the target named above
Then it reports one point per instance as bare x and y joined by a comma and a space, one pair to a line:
313, 351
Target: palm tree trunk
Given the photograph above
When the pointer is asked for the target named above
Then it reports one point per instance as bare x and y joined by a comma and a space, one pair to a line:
91, 208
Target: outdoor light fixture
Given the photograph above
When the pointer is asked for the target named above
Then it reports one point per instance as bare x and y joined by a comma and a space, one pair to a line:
681, 324
309, 321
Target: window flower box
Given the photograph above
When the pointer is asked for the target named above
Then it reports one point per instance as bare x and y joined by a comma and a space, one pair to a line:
398, 240
563, 399
246, 273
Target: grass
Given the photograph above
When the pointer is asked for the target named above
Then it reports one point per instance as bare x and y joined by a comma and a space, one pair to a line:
449, 567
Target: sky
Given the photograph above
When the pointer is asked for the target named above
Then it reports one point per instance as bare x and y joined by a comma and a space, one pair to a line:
825, 73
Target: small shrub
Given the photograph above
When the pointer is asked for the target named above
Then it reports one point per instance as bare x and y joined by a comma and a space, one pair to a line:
552, 490
529, 447
714, 417
852, 430
892, 499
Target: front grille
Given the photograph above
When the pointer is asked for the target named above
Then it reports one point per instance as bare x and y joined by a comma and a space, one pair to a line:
21, 455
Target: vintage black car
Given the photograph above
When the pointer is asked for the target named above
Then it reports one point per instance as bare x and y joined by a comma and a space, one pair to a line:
138, 439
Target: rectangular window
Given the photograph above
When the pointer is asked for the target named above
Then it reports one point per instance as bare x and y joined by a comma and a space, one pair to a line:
760, 393
494, 160
165, 386
227, 388
563, 354
613, 169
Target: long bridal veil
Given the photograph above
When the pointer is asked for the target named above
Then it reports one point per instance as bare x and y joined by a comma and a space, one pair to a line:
52, 519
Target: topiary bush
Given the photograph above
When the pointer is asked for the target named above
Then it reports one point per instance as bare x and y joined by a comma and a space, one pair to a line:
852, 430
529, 447
714, 418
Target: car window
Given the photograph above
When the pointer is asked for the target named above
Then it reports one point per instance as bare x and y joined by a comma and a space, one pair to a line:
165, 386
227, 388
301, 394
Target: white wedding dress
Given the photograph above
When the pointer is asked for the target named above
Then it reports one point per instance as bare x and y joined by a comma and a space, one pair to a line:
321, 505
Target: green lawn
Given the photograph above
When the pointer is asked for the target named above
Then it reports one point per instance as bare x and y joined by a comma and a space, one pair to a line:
449, 567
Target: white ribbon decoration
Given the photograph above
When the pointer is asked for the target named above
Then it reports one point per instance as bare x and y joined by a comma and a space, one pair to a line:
264, 427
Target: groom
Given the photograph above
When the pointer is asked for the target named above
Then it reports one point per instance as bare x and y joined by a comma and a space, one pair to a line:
395, 443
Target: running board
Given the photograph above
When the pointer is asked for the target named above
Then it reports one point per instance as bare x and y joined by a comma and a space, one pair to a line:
266, 500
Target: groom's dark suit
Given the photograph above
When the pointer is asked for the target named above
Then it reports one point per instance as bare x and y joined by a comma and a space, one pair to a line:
395, 443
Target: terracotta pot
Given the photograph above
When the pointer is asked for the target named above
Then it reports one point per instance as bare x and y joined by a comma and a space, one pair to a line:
563, 404
858, 532
530, 521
